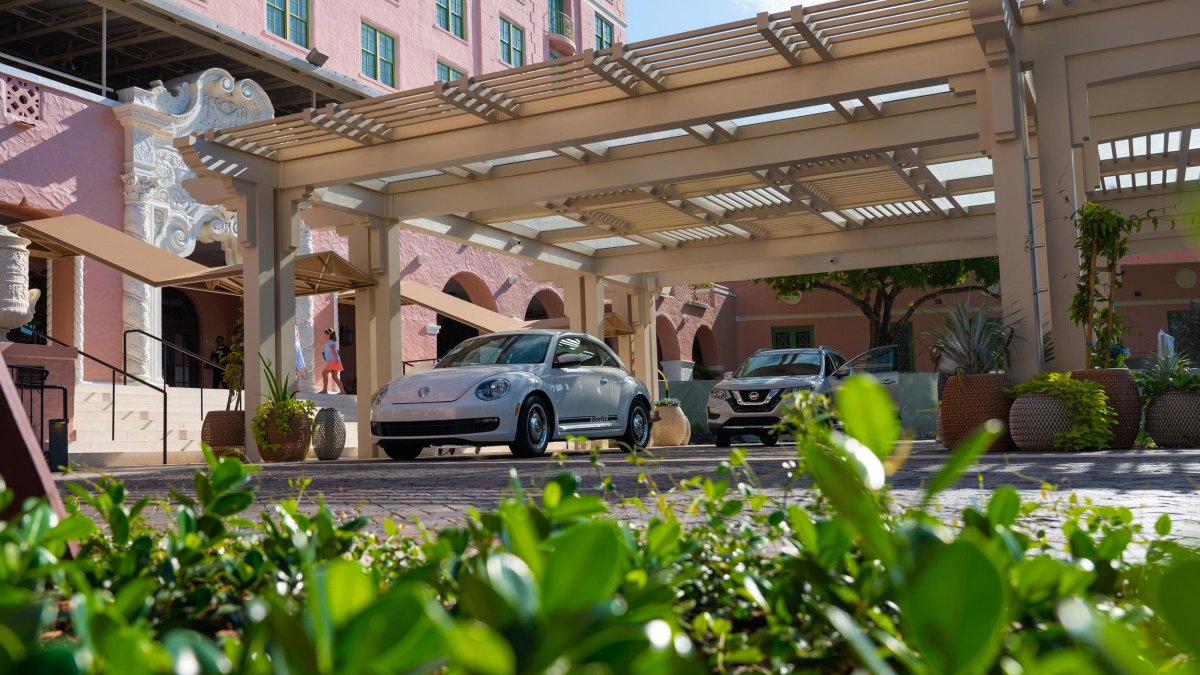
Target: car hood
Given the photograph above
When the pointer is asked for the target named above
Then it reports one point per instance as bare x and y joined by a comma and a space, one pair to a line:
743, 384
445, 384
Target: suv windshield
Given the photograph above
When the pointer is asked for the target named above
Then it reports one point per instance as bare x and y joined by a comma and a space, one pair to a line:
498, 349
788, 364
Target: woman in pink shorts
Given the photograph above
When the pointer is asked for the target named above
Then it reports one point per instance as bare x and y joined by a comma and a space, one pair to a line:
333, 363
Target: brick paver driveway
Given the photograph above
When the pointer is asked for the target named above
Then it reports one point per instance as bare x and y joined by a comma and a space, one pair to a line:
440, 490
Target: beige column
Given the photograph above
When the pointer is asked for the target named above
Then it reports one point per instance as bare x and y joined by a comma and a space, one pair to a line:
645, 338
583, 299
1061, 197
622, 304
256, 216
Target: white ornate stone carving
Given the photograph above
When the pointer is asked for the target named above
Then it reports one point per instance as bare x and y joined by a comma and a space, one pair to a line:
305, 380
158, 209
17, 301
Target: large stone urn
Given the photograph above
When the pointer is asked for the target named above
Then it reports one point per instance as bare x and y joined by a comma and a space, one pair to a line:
670, 428
329, 438
17, 301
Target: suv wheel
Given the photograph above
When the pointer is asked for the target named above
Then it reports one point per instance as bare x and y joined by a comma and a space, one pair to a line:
402, 451
724, 439
770, 439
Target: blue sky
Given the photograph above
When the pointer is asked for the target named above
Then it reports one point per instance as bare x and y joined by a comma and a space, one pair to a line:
654, 18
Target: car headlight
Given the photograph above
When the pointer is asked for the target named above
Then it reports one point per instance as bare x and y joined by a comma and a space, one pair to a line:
379, 395
719, 394
492, 390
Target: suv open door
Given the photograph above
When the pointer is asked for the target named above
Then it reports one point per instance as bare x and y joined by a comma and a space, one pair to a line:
880, 362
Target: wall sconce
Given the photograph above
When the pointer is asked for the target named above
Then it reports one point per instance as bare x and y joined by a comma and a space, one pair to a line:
432, 328
316, 57
423, 258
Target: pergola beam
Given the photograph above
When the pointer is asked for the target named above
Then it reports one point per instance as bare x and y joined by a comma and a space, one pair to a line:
940, 189
803, 26
355, 126
890, 158
623, 56
605, 68
477, 99
818, 203
776, 38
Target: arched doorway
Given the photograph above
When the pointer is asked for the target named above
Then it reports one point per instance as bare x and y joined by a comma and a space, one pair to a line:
545, 304
180, 327
464, 286
704, 355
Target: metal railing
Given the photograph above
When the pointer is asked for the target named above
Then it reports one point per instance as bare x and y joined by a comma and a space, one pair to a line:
409, 365
115, 370
177, 348
562, 24
32, 379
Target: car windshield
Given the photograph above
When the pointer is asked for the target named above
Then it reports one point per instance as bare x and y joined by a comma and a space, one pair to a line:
789, 364
497, 349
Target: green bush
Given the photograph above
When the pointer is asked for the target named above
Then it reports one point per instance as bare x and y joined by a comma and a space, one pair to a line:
1164, 374
1091, 415
720, 577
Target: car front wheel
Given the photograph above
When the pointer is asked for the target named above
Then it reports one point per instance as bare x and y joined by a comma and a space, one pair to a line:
637, 428
724, 439
533, 429
402, 451
770, 439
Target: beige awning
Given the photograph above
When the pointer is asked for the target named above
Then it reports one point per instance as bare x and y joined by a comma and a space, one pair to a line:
412, 293
66, 236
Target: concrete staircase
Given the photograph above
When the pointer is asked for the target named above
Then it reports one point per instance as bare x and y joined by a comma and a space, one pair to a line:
139, 423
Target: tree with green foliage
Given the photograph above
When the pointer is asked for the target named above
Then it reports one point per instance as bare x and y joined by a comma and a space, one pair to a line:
875, 291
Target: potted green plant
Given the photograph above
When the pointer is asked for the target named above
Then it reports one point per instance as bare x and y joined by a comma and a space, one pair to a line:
1172, 396
1103, 239
1054, 411
283, 424
670, 427
225, 430
977, 346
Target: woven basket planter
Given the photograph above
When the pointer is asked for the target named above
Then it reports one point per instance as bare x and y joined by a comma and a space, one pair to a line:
968, 402
1123, 396
1173, 419
1034, 420
291, 447
224, 431
329, 439
670, 428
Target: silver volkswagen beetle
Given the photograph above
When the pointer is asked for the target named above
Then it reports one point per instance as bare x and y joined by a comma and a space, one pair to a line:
517, 388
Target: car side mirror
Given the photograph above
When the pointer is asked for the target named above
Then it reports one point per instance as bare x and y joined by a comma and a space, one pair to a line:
567, 360
841, 373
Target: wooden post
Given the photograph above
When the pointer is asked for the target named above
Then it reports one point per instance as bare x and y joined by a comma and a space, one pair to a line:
24, 470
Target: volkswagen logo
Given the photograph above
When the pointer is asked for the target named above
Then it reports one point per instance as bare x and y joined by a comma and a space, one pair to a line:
754, 396
422, 392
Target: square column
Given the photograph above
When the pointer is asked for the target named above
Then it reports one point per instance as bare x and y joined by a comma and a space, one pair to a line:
1061, 198
583, 298
645, 339
622, 304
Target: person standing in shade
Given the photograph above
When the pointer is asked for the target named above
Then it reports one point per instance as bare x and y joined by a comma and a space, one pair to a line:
333, 363
218, 356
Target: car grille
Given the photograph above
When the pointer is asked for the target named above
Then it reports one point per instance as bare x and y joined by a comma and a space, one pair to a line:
435, 427
754, 422
754, 400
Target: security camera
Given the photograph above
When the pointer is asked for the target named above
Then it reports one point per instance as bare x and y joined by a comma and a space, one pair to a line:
833, 260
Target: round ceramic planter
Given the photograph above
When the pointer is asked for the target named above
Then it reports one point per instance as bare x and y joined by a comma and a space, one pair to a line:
968, 402
224, 431
1123, 396
291, 446
671, 427
1035, 420
1173, 419
329, 438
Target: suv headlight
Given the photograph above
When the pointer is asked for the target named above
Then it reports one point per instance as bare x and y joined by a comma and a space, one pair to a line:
379, 395
719, 394
492, 390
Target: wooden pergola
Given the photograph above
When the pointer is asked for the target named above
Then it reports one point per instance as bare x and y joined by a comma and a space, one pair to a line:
852, 134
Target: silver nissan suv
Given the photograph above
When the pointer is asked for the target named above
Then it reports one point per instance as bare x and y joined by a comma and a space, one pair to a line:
749, 401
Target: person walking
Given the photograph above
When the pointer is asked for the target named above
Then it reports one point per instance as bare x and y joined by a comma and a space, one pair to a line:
333, 363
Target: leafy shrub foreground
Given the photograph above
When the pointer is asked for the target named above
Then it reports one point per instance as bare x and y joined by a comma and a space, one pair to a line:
722, 578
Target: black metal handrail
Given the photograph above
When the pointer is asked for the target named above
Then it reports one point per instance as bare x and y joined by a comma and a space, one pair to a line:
181, 350
162, 390
21, 376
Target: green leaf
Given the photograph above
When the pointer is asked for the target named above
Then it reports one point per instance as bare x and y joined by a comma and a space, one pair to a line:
551, 495
955, 611
476, 648
662, 538
399, 633
71, 528
1163, 525
853, 501
1004, 506
1178, 590
583, 569
868, 414
134, 598
349, 589
232, 503
962, 457
193, 653
858, 640
579, 506
803, 526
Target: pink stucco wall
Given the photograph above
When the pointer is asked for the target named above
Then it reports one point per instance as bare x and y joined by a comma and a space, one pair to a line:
420, 42
69, 162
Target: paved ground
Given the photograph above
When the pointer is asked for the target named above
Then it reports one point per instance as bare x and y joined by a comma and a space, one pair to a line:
439, 490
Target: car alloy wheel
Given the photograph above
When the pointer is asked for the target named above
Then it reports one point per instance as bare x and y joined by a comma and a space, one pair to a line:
639, 426
536, 426
533, 428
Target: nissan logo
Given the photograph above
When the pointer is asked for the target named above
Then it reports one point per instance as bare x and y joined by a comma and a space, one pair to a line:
422, 392
754, 396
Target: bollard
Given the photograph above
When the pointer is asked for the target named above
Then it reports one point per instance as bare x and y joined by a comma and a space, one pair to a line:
58, 445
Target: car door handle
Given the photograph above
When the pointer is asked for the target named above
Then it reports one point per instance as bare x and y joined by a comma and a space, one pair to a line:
604, 380
888, 381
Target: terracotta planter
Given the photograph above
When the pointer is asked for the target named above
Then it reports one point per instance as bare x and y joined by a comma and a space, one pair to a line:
1173, 419
970, 401
670, 427
1123, 396
329, 439
292, 446
225, 432
1034, 420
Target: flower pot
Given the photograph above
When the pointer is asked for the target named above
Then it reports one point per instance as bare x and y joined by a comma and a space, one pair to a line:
670, 428
969, 401
224, 431
1123, 396
329, 437
1173, 419
290, 445
1035, 420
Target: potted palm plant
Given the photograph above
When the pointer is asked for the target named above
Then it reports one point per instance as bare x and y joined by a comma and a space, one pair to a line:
977, 345
283, 424
224, 431
1172, 396
1102, 241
